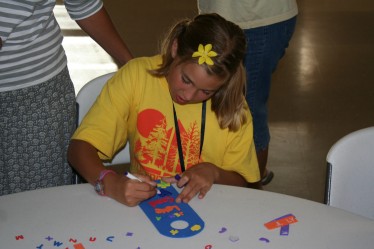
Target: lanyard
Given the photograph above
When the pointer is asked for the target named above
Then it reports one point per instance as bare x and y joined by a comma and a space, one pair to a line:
202, 131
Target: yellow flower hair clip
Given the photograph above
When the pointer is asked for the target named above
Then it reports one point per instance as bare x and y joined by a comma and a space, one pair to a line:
205, 54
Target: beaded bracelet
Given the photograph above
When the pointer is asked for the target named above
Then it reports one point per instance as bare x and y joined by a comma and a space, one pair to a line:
99, 184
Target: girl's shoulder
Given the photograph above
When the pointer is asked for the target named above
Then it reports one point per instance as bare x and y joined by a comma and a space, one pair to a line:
151, 62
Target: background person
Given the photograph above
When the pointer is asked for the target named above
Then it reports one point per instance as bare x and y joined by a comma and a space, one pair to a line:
268, 26
37, 98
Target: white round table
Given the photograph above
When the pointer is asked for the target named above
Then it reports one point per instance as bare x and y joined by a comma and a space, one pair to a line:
75, 217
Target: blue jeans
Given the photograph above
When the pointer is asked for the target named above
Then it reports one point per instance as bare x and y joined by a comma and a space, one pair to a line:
266, 46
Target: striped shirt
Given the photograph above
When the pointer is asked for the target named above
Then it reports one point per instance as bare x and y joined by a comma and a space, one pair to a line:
32, 50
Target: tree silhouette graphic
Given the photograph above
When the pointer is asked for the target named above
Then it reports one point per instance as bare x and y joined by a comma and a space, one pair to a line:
191, 144
157, 150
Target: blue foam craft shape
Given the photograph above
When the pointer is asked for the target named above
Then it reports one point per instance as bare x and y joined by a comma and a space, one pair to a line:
175, 220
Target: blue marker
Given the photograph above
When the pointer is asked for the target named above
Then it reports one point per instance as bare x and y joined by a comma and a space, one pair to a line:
131, 176
178, 177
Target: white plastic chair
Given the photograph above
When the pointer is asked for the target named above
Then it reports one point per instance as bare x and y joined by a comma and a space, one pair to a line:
350, 173
85, 98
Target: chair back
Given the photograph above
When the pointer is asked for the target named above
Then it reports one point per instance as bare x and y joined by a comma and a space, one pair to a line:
350, 173
85, 99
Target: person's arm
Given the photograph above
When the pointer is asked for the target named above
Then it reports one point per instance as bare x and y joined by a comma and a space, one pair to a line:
198, 180
84, 158
235, 179
100, 28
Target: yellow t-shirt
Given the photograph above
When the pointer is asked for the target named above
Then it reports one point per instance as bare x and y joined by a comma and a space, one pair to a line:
136, 106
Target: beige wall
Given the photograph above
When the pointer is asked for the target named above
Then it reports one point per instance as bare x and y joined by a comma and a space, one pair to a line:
143, 23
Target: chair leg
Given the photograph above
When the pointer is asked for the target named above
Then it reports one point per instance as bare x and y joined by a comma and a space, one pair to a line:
328, 183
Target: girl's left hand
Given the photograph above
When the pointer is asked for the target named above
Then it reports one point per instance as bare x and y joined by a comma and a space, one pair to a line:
196, 180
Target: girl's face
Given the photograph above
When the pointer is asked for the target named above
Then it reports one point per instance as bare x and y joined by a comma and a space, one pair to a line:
190, 83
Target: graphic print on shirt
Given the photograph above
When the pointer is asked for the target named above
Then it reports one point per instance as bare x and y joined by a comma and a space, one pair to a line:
157, 150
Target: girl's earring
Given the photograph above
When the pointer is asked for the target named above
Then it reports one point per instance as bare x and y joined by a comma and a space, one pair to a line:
174, 48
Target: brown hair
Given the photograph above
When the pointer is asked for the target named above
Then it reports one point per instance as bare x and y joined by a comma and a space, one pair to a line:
228, 41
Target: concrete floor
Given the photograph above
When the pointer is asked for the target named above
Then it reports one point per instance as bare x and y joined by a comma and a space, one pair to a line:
322, 89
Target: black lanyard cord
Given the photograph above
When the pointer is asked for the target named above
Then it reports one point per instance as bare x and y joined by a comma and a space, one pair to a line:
177, 132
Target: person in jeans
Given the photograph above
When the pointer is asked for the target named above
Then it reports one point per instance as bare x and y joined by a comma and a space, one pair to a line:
268, 26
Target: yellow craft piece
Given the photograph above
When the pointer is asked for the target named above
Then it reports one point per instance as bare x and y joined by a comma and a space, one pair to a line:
205, 54
163, 184
174, 231
195, 228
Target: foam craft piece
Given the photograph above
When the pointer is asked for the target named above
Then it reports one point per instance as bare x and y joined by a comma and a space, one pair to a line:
176, 220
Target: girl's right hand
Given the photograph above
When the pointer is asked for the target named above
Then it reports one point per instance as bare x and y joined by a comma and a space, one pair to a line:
130, 192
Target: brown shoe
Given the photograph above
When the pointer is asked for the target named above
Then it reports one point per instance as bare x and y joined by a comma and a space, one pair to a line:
267, 178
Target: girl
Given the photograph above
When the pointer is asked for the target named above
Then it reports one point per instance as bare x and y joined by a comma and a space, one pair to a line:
183, 112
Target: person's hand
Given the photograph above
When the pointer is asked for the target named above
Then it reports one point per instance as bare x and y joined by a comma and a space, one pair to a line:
131, 192
197, 180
